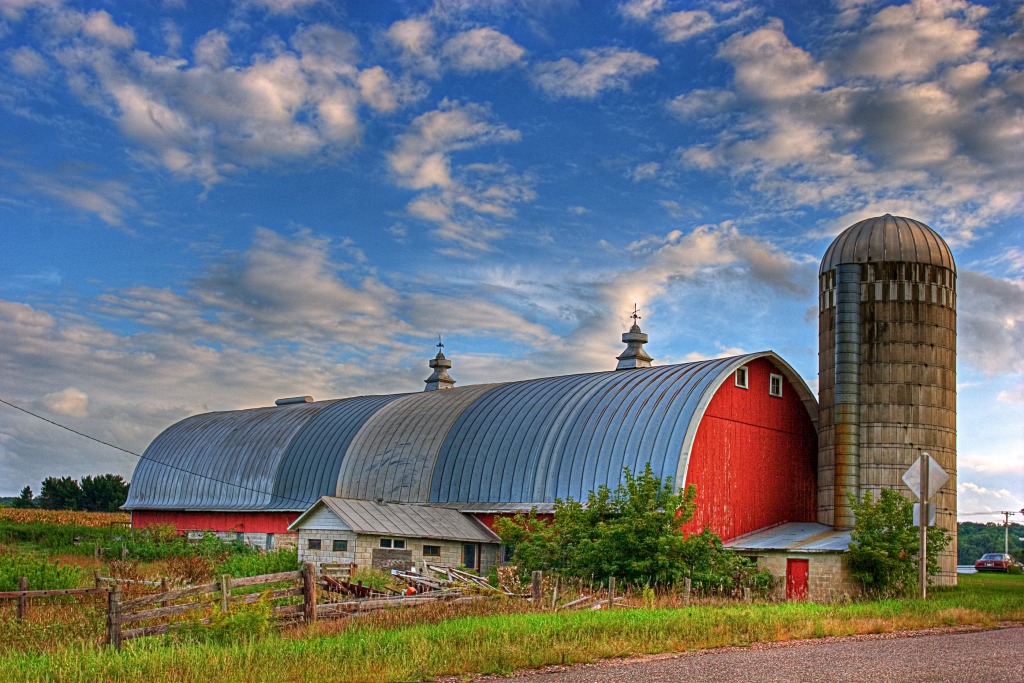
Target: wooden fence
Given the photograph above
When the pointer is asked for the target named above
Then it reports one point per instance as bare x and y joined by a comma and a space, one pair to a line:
184, 601
127, 619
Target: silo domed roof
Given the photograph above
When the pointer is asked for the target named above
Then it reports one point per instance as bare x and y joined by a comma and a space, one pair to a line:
888, 238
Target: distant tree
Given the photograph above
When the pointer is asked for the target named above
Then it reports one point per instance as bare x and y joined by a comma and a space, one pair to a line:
104, 492
975, 539
884, 544
60, 494
25, 499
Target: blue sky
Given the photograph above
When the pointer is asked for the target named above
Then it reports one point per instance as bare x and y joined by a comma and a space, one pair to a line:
208, 206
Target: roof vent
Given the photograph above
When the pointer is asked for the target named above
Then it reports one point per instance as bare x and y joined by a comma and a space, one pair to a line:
634, 356
293, 400
440, 379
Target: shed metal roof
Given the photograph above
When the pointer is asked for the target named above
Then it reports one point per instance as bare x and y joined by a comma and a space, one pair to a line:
493, 446
804, 537
403, 520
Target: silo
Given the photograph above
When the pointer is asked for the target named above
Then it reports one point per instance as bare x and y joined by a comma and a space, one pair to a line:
886, 367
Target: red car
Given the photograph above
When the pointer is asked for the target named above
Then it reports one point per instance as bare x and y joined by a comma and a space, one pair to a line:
994, 562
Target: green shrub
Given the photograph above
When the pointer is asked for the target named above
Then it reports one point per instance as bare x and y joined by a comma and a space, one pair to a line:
40, 572
244, 623
372, 578
256, 563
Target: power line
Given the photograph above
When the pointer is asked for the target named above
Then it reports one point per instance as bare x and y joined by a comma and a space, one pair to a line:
73, 431
305, 503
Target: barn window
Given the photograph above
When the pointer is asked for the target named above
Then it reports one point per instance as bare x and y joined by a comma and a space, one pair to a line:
432, 551
313, 544
395, 543
775, 385
741, 377
339, 545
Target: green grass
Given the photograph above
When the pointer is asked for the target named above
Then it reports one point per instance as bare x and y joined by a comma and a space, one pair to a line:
503, 643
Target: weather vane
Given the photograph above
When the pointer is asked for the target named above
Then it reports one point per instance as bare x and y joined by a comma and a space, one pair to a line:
439, 344
635, 316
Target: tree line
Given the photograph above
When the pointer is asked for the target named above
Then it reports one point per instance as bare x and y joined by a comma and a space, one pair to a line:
102, 493
974, 540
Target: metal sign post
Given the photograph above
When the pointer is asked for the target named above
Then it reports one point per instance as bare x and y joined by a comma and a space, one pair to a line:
923, 526
925, 477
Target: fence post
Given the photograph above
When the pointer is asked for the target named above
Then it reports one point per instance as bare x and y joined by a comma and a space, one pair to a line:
689, 584
22, 599
225, 593
611, 592
536, 578
309, 591
114, 616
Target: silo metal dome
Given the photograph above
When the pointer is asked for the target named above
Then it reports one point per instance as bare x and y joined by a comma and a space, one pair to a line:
888, 238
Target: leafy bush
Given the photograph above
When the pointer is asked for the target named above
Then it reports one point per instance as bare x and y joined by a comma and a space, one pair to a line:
40, 572
884, 544
245, 622
632, 533
256, 563
372, 578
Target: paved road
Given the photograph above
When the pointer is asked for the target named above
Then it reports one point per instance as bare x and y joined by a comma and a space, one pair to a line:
975, 657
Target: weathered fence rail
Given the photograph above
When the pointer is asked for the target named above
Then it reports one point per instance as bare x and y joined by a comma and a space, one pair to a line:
122, 613
132, 618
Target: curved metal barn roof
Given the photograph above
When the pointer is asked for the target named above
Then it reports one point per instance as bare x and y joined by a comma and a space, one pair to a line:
511, 445
888, 238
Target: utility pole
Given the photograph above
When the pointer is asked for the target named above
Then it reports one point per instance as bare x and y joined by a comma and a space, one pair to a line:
1006, 529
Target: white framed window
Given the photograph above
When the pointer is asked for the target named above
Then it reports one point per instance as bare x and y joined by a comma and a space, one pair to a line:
394, 543
741, 377
775, 385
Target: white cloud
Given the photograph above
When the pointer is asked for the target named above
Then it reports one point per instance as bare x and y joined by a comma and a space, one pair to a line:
913, 40
15, 9
597, 71
100, 26
455, 198
415, 39
677, 27
944, 146
990, 323
769, 67
223, 112
212, 50
481, 49
71, 402
27, 62
282, 6
641, 10
645, 171
385, 94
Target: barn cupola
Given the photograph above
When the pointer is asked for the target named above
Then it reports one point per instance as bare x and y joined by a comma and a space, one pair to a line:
634, 356
439, 379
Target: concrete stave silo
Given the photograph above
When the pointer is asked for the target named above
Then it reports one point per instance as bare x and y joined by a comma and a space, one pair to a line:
887, 367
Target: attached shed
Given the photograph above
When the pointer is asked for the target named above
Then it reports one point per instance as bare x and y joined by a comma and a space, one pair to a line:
809, 561
388, 536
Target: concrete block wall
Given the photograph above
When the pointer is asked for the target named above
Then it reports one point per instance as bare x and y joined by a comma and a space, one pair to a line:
828, 575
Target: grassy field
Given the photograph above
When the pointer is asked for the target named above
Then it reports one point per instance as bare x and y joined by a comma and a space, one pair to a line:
395, 648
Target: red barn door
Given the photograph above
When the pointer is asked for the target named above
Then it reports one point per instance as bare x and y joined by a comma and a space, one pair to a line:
796, 579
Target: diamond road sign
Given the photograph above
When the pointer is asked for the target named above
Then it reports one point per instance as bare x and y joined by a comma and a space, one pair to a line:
936, 476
